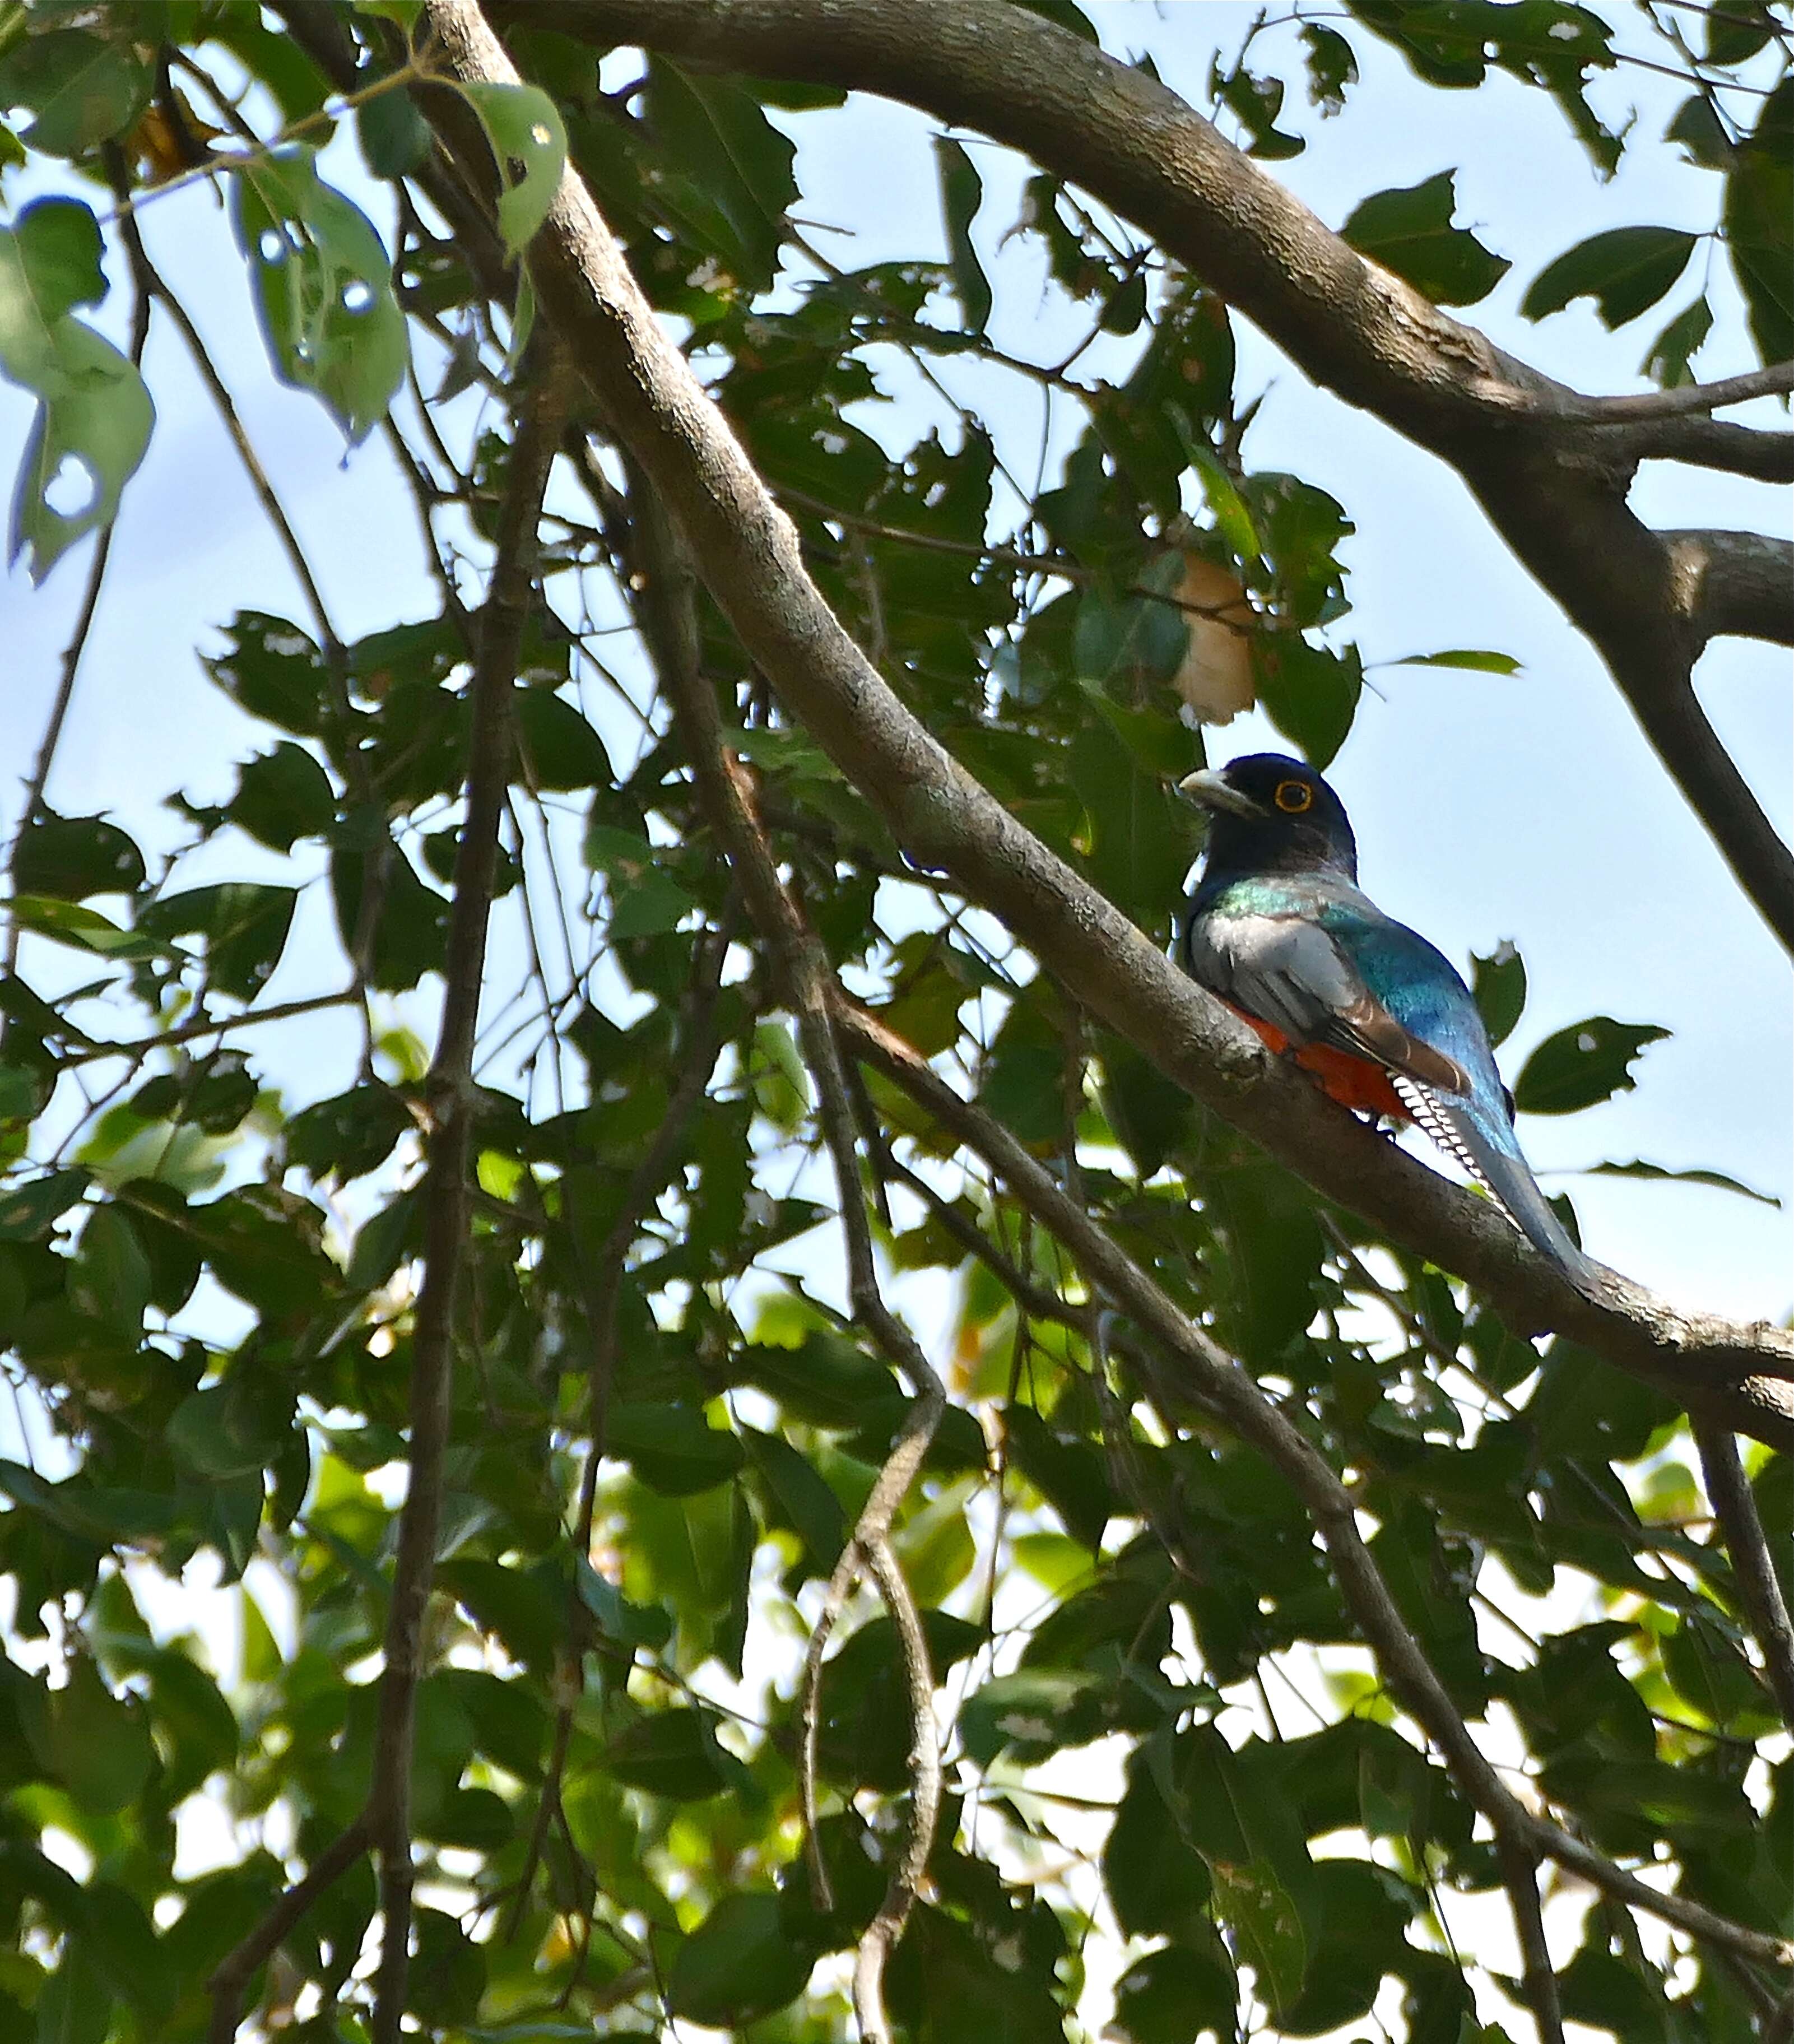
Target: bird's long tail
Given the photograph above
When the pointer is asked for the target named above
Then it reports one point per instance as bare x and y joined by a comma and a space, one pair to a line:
1502, 1173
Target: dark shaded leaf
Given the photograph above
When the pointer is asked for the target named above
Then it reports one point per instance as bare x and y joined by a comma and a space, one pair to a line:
961, 193
1499, 983
1586, 1063
1625, 270
1409, 231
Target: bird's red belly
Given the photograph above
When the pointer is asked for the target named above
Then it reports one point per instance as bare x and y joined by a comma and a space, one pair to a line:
1353, 1082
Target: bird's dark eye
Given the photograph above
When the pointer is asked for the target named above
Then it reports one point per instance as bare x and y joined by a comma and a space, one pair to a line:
1293, 797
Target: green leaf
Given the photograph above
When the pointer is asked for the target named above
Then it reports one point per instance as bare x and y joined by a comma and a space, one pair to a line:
528, 144
1499, 983
59, 244
75, 2006
651, 904
244, 924
1409, 231
961, 193
1589, 1062
738, 1964
1232, 520
1625, 270
1179, 1995
82, 90
274, 671
70, 858
1639, 1169
673, 1448
95, 414
1666, 360
674, 1754
85, 929
109, 1278
1268, 1926
395, 138
324, 288
282, 796
96, 1744
801, 1497
1255, 103
558, 748
1331, 66
350, 1134
1310, 692
1034, 1713
1158, 1885
1759, 207
1478, 662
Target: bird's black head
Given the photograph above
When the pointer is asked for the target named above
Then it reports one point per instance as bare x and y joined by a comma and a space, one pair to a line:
1270, 814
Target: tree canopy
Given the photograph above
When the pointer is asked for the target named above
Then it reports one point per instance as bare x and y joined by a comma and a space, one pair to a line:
796, 1430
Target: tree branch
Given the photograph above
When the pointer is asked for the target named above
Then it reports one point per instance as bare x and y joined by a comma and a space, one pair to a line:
1740, 1376
233, 1974
1740, 585
1553, 483
668, 599
1206, 1376
1775, 381
1759, 1589
449, 1088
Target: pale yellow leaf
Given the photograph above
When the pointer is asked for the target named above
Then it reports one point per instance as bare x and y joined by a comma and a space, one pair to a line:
1215, 676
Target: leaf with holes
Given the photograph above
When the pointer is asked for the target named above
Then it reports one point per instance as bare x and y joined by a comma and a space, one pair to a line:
324, 288
94, 413
1588, 1062
529, 143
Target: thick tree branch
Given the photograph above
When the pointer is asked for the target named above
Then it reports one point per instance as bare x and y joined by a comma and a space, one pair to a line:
748, 554
1552, 479
449, 1088
1739, 585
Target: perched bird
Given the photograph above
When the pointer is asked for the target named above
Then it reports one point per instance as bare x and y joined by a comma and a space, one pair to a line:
1279, 930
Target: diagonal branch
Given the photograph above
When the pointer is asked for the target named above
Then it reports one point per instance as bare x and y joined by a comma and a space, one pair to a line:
231, 1976
1204, 1374
748, 554
1553, 482
449, 1088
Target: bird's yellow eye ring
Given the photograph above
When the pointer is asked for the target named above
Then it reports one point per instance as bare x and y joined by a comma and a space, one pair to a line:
1293, 797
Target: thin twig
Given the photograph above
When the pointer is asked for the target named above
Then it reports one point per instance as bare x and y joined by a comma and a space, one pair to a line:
233, 1975
1759, 1588
1772, 380
1539, 1979
450, 1090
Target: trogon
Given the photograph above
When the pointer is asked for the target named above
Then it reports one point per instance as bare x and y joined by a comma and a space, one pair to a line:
1279, 928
